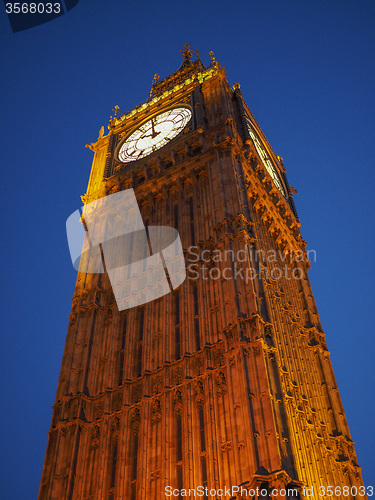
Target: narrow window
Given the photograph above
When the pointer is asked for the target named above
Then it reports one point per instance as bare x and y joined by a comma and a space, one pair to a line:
197, 336
179, 482
129, 250
178, 342
177, 309
114, 463
123, 338
196, 309
204, 473
124, 327
196, 319
176, 216
121, 372
140, 343
139, 360
192, 231
134, 491
179, 455
141, 321
201, 427
179, 439
135, 457
177, 327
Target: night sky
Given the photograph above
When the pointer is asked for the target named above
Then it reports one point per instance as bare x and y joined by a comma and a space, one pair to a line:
306, 69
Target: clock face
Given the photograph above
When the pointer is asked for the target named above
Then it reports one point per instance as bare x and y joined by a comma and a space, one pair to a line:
265, 159
154, 134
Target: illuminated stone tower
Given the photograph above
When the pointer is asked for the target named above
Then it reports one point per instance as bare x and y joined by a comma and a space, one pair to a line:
225, 381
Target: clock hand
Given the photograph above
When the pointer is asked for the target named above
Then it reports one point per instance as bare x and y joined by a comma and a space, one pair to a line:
150, 135
154, 134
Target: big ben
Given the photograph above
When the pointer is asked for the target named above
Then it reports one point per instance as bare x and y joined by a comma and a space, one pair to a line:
223, 387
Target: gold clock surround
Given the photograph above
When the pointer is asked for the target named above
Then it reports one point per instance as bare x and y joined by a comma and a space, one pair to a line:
154, 133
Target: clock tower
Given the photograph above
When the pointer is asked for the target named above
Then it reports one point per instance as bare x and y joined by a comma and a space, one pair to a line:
224, 385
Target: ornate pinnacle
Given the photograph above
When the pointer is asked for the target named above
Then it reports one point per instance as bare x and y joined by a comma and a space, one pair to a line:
115, 109
186, 53
213, 60
154, 82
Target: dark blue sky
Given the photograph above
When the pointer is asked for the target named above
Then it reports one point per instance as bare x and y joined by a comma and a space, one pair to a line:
306, 70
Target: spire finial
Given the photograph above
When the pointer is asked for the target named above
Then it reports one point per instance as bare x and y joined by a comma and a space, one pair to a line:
186, 53
213, 60
154, 81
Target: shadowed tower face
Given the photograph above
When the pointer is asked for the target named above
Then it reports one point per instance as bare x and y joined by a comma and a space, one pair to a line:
223, 381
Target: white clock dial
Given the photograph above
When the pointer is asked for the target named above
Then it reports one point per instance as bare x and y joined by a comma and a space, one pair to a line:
154, 134
265, 159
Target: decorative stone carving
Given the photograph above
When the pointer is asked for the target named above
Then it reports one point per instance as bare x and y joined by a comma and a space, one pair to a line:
157, 385
226, 446
257, 349
177, 401
155, 475
219, 357
84, 297
98, 409
221, 384
115, 427
230, 332
177, 376
156, 411
135, 419
198, 363
199, 392
95, 436
108, 317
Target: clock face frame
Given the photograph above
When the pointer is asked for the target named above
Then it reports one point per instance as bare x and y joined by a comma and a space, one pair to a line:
266, 159
154, 133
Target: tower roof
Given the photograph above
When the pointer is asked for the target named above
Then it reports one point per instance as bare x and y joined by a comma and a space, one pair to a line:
189, 71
